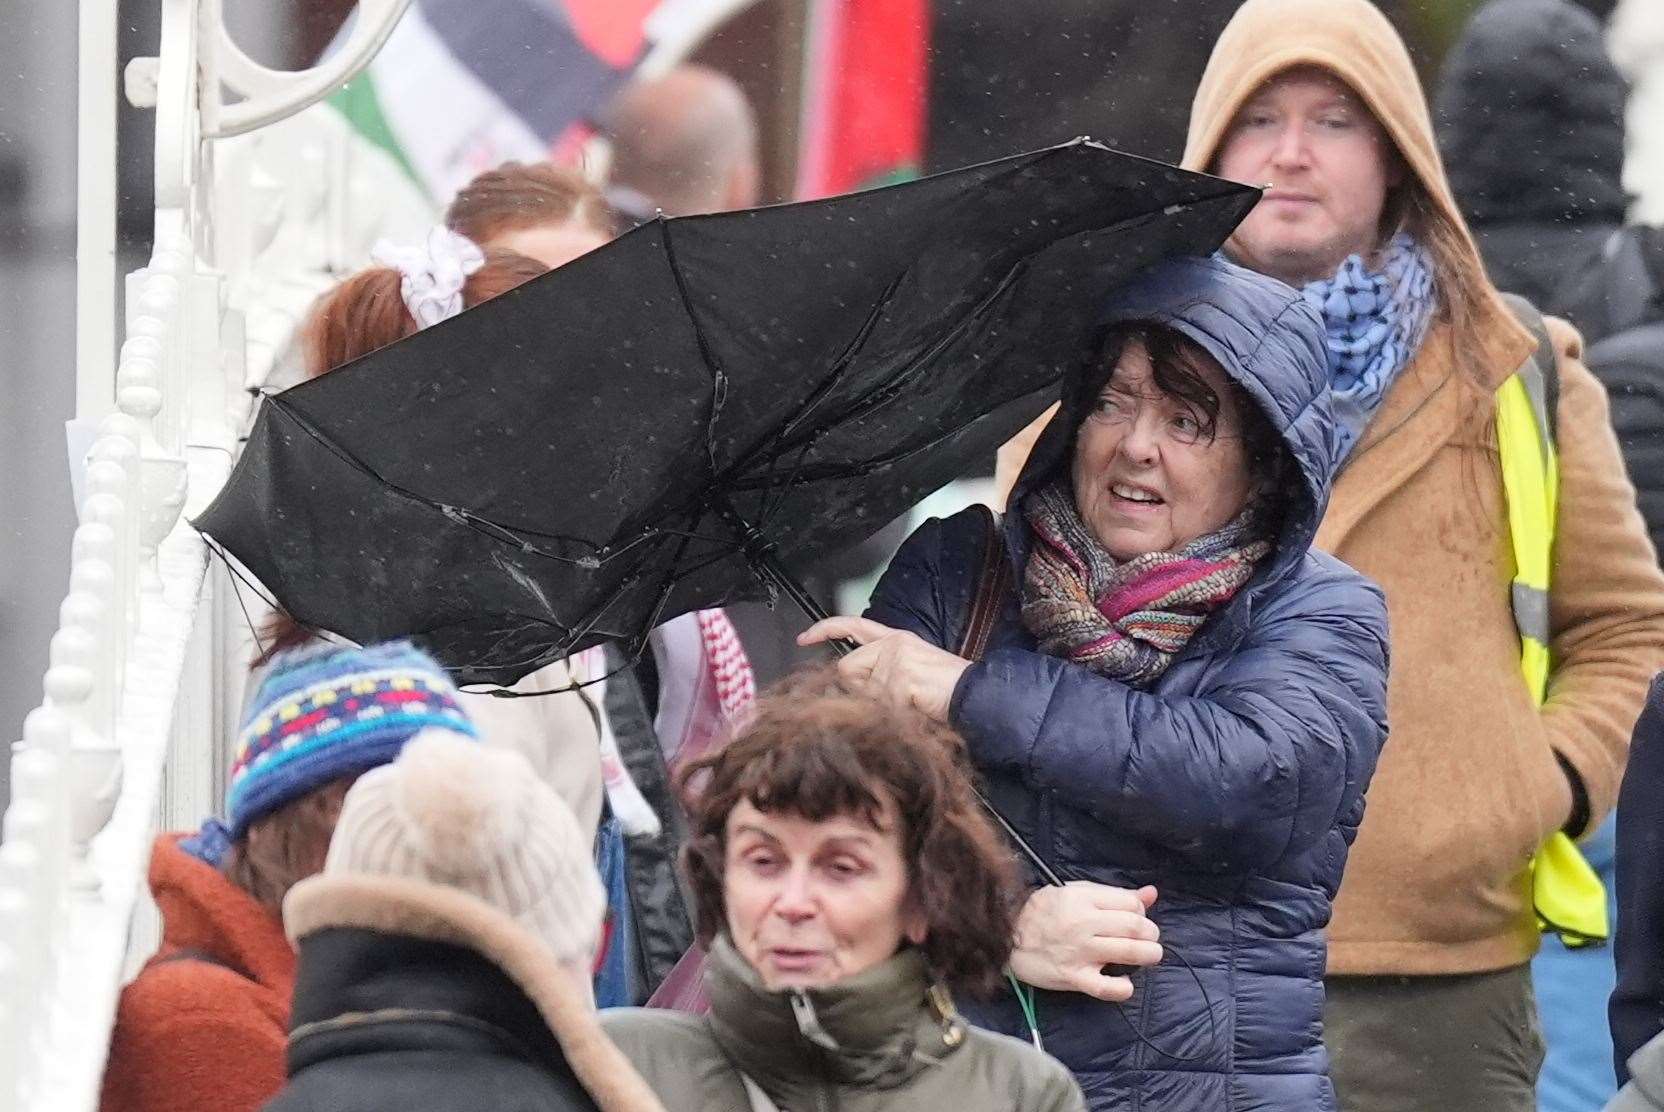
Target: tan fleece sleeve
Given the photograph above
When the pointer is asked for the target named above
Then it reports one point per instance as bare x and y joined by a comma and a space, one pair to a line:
1606, 605
1008, 463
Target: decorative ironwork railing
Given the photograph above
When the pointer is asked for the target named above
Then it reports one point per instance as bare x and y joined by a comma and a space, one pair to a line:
262, 201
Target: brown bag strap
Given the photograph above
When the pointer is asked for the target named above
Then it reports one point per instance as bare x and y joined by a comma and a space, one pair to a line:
992, 581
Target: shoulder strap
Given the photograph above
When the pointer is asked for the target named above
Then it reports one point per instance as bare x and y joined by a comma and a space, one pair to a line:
1540, 373
1525, 428
992, 580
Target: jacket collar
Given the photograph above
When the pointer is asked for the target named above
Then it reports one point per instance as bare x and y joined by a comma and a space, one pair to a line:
878, 1029
202, 910
434, 913
362, 990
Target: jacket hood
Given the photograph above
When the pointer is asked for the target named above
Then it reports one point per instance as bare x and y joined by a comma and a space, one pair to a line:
435, 913
202, 910
1269, 341
875, 1030
1349, 38
1352, 40
1531, 116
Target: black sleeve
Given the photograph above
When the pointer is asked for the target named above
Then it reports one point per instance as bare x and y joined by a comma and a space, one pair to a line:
1637, 1008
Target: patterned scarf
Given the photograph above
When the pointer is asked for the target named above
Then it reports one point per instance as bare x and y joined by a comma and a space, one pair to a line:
1376, 321
706, 688
1128, 619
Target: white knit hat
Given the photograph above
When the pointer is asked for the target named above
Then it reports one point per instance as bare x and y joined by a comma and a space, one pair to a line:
479, 820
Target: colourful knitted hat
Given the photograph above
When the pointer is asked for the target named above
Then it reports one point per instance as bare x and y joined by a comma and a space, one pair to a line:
321, 712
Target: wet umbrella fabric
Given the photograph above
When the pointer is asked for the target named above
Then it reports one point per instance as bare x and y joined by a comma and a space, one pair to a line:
634, 435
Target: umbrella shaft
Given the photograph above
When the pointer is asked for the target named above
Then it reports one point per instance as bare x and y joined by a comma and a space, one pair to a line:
770, 570
774, 572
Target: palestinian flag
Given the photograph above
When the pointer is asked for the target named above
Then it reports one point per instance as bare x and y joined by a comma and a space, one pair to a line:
864, 98
464, 85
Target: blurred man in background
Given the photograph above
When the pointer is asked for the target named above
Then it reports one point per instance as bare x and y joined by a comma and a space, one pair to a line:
684, 143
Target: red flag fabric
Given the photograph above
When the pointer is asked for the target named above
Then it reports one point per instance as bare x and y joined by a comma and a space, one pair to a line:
611, 28
864, 104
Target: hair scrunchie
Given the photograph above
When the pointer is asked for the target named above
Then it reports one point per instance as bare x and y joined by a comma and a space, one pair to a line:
432, 274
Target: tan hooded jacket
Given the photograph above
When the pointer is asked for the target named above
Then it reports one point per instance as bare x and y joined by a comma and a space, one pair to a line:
1468, 784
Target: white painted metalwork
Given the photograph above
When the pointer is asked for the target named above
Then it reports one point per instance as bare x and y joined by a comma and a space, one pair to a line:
1636, 40
95, 230
262, 203
142, 679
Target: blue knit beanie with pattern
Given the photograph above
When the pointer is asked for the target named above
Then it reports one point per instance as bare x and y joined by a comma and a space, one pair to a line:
322, 712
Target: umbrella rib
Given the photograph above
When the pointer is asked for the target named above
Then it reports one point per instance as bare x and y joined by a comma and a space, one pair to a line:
600, 555
861, 337
719, 377
829, 472
779, 445
830, 382
672, 575
594, 617
780, 490
584, 627
631, 658
892, 389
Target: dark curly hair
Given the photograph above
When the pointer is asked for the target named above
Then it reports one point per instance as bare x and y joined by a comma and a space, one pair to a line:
1176, 365
816, 748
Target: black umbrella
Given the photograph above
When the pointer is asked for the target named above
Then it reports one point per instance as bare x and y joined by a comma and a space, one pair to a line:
653, 427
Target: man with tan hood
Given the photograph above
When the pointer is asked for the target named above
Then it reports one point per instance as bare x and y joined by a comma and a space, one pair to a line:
1429, 992
1429, 1001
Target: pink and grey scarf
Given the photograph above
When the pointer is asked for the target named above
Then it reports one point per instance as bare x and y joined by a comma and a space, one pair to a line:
1126, 620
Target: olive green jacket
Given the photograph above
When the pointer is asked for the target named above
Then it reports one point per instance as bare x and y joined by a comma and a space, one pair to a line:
881, 1039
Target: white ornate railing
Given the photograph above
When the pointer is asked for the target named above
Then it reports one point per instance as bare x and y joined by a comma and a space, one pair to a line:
86, 777
143, 676
261, 203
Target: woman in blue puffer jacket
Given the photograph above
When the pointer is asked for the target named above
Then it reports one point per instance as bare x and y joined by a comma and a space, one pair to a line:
1176, 694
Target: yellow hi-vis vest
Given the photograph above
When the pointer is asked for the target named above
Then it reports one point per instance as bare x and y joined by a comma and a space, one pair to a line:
1569, 897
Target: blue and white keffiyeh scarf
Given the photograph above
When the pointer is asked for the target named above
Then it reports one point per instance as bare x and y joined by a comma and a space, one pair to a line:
1376, 320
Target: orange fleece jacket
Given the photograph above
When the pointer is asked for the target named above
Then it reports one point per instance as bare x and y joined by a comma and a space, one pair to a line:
191, 1035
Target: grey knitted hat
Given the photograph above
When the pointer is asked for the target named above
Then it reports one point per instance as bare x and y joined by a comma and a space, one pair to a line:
480, 820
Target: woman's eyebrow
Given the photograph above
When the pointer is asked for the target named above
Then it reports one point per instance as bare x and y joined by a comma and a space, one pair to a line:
748, 828
859, 839
1340, 98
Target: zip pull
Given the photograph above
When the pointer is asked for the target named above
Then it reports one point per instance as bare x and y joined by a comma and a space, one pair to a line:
941, 1002
808, 1023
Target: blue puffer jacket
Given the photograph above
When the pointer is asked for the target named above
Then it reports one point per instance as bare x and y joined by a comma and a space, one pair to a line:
1235, 784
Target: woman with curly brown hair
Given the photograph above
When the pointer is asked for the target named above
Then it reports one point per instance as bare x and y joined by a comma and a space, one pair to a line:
845, 880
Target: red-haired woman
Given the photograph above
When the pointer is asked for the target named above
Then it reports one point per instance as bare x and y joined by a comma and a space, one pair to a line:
411, 287
545, 212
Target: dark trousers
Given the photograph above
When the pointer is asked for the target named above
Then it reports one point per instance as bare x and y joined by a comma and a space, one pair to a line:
1414, 1044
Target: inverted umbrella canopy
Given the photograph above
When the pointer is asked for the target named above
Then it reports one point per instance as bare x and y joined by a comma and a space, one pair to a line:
634, 435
